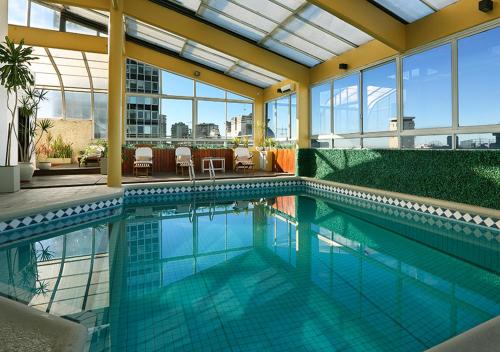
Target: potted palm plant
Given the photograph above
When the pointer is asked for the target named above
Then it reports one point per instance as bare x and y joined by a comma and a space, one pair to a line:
15, 76
31, 130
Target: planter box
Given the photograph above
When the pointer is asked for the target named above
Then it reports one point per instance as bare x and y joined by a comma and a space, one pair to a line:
11, 181
103, 163
59, 161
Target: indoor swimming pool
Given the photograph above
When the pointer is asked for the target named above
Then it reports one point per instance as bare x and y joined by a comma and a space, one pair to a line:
275, 273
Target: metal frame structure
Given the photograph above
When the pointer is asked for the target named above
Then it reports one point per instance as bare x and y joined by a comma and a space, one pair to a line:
288, 96
453, 130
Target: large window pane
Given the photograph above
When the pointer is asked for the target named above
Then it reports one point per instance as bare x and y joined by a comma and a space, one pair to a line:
283, 118
173, 84
18, 12
143, 118
427, 88
142, 78
100, 115
426, 142
211, 120
479, 79
207, 91
52, 106
347, 143
346, 105
78, 105
321, 109
74, 27
478, 141
232, 96
271, 119
179, 115
380, 143
44, 17
379, 97
239, 120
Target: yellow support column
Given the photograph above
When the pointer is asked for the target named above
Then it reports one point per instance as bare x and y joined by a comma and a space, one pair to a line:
303, 113
115, 52
259, 121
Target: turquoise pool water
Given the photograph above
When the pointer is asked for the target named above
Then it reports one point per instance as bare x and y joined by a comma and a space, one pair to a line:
284, 273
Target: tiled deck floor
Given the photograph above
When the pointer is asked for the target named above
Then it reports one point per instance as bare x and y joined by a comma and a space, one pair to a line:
93, 179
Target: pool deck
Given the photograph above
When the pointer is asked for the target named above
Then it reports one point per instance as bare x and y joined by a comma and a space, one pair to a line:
97, 179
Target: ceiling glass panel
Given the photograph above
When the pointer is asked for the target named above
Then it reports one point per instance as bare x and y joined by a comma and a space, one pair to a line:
439, 4
154, 35
261, 71
18, 12
77, 82
268, 9
290, 53
46, 80
318, 36
190, 4
409, 10
206, 58
251, 76
291, 4
68, 54
89, 14
306, 47
333, 24
231, 24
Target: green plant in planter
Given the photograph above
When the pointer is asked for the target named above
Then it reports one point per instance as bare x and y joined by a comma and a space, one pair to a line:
15, 76
60, 149
236, 142
30, 126
245, 141
269, 143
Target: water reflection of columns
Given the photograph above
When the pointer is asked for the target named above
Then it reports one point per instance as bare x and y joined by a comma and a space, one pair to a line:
118, 260
303, 239
259, 225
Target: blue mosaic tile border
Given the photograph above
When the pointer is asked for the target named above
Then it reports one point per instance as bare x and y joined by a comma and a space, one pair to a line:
56, 219
449, 214
30, 225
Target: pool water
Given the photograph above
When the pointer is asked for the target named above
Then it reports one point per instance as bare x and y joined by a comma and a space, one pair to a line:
284, 273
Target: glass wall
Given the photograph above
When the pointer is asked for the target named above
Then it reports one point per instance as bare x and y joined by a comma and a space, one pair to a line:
163, 108
281, 116
442, 97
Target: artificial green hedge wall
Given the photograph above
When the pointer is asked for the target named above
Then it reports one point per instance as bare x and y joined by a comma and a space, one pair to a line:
471, 177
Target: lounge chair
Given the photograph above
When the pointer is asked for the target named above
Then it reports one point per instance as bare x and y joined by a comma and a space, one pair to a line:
143, 161
243, 159
182, 159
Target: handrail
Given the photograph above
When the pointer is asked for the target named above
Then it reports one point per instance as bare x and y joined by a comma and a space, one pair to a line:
192, 176
211, 172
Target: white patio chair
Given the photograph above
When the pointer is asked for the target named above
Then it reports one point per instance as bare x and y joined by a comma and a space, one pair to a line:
143, 160
182, 159
243, 159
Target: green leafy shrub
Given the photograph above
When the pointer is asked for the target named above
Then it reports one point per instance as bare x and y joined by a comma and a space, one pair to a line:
471, 177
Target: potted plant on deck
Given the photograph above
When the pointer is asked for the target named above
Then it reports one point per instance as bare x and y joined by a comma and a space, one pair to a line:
15, 76
103, 161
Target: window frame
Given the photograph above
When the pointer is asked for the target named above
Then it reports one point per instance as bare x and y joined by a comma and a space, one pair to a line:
399, 133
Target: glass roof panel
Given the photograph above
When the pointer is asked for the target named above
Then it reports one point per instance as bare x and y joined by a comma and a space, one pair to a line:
261, 70
47, 80
66, 54
190, 4
18, 12
305, 46
154, 35
268, 9
92, 15
100, 83
291, 53
241, 14
409, 10
334, 25
252, 77
318, 36
231, 24
77, 82
194, 53
206, 48
439, 4
291, 4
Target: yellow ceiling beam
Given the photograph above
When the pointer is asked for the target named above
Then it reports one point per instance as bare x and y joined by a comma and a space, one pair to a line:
90, 4
187, 27
187, 69
58, 40
368, 18
364, 55
454, 18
